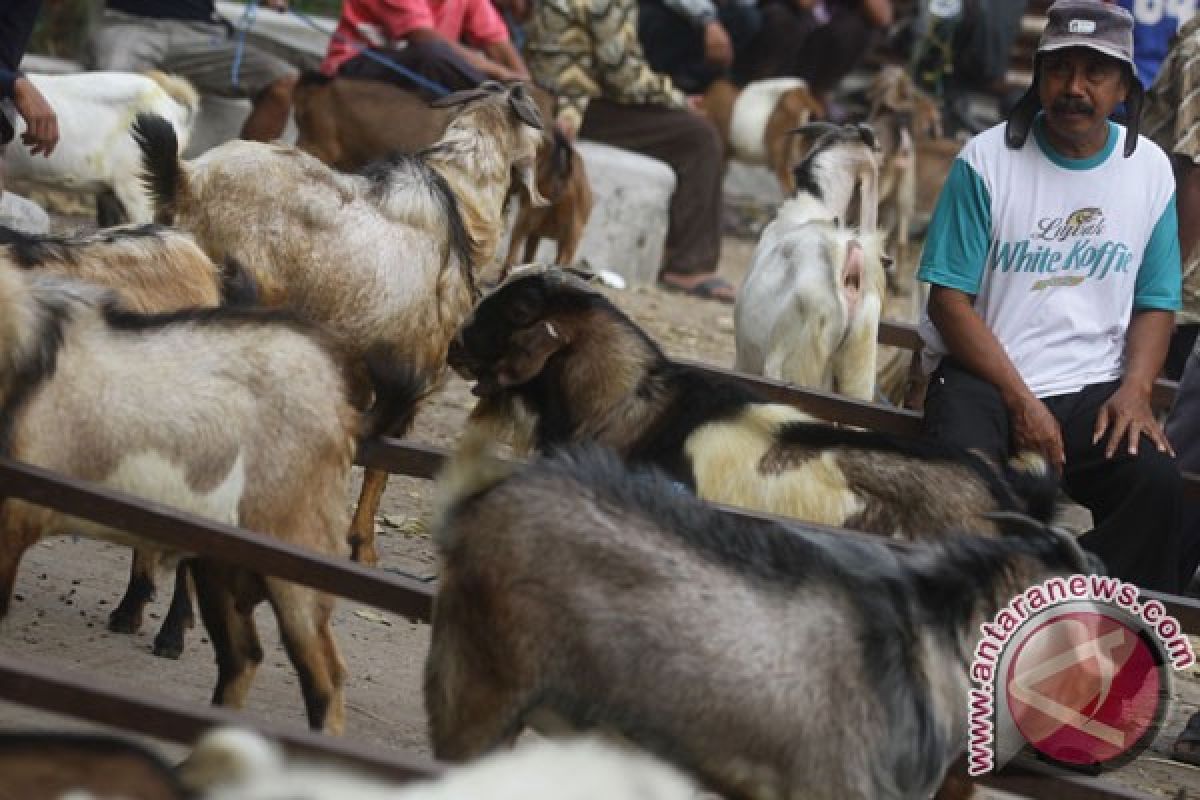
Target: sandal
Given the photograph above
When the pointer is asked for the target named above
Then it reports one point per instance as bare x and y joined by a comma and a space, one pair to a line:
714, 288
1187, 746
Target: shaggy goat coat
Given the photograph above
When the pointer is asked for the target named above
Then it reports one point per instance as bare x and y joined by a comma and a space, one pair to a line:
559, 362
771, 662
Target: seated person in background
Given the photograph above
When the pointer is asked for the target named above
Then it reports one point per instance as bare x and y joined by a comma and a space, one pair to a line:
1053, 259
818, 40
1154, 26
187, 38
427, 38
1171, 120
587, 53
695, 41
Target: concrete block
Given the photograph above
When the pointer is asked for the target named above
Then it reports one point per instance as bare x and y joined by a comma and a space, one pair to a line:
628, 226
23, 215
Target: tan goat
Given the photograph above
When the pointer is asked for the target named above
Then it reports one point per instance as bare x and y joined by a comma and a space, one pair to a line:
348, 123
194, 406
387, 259
153, 269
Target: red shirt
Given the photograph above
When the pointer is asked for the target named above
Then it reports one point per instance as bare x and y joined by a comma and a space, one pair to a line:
379, 24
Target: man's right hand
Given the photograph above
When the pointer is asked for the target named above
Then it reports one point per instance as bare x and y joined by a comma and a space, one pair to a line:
41, 123
718, 47
1035, 428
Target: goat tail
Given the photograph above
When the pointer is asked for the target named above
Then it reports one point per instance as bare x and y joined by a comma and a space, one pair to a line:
472, 470
163, 173
239, 289
179, 89
1034, 485
399, 390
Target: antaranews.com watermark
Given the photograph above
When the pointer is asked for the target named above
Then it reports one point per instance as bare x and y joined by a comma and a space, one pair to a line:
1079, 668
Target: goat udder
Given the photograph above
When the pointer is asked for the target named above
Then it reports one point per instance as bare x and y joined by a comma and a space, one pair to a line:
852, 278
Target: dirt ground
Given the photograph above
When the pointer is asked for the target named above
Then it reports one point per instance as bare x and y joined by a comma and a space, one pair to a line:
66, 589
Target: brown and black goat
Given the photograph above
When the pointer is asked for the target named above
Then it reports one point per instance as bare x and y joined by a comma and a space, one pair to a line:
387, 259
556, 360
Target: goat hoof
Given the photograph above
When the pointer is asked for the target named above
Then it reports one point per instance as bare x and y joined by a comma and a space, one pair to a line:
364, 554
122, 621
168, 647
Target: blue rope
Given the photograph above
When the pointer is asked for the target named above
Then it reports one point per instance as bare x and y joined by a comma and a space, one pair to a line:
433, 87
243, 28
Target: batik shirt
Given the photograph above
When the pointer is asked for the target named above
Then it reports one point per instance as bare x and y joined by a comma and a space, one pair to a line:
1057, 253
580, 49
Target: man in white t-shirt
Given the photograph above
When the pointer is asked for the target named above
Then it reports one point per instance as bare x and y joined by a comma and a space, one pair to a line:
1053, 259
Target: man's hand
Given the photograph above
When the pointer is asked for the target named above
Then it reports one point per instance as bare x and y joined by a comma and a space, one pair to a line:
41, 124
1126, 416
718, 47
1035, 428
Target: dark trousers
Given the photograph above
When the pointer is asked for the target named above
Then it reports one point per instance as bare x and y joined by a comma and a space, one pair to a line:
692, 147
792, 42
433, 60
1136, 501
676, 47
1183, 432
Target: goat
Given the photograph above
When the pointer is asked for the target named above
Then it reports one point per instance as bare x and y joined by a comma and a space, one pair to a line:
559, 362
386, 259
153, 270
808, 311
234, 764
57, 765
756, 122
193, 403
786, 663
348, 123
96, 152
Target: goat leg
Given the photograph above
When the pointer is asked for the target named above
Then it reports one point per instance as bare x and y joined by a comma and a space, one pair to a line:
127, 616
362, 528
170, 640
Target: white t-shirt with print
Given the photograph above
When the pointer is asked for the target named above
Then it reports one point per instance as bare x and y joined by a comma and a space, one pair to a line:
1057, 252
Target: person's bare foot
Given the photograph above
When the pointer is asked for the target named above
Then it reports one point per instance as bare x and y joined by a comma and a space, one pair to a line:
707, 286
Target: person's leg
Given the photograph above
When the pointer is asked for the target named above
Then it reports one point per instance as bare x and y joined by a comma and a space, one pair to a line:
965, 410
434, 61
783, 32
692, 147
1136, 500
215, 63
834, 49
1183, 432
126, 43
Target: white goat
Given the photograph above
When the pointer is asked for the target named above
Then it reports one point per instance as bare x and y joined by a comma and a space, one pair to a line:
193, 408
387, 259
808, 312
96, 152
236, 764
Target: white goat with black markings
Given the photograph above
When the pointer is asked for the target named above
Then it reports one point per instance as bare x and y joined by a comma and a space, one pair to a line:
193, 406
387, 259
785, 663
557, 362
235, 764
808, 311
96, 151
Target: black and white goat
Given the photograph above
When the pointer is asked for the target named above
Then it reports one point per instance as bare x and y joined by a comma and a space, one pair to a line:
558, 362
386, 259
808, 311
769, 661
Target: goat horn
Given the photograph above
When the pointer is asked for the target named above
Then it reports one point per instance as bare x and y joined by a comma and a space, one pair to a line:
458, 98
868, 135
815, 128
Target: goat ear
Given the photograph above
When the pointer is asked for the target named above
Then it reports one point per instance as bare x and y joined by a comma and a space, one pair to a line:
528, 352
524, 107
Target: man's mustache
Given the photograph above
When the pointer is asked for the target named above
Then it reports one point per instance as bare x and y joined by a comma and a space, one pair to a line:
1072, 105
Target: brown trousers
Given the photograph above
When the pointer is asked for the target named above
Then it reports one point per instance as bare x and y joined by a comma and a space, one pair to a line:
692, 147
